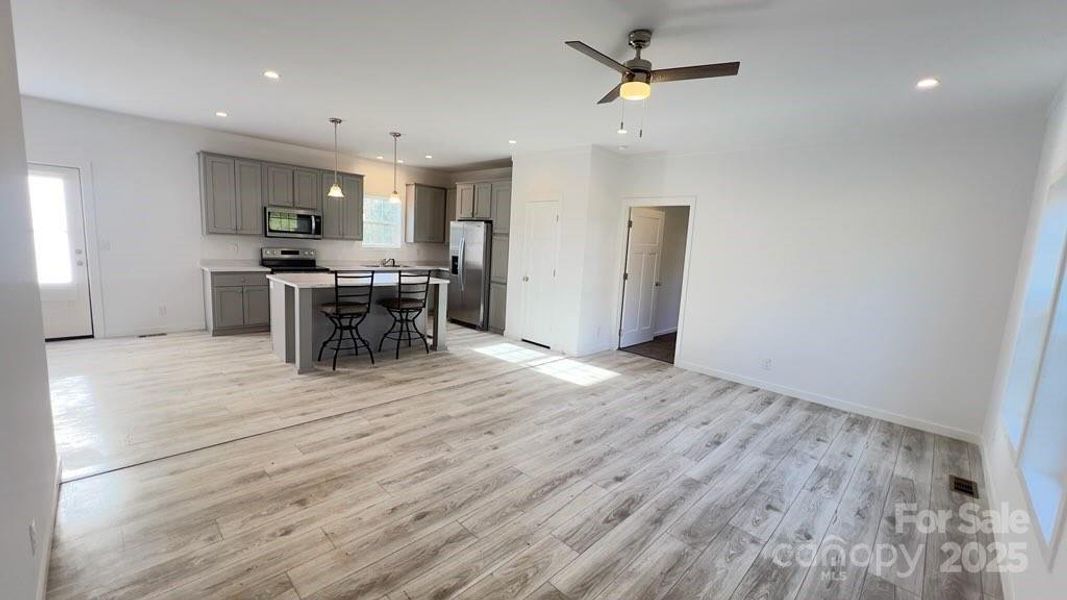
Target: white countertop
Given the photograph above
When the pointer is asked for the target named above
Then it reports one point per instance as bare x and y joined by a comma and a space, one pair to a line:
234, 268
368, 267
325, 280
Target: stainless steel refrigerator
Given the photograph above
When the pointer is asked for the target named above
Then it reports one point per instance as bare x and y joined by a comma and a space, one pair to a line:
469, 248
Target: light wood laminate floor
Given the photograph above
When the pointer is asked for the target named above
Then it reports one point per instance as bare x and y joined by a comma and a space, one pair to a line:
496, 470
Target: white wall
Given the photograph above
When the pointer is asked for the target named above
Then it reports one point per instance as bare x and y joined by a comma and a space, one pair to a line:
672, 263
146, 198
1039, 581
585, 183
27, 450
875, 276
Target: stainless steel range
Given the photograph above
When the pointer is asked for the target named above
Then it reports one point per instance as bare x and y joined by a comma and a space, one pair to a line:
290, 260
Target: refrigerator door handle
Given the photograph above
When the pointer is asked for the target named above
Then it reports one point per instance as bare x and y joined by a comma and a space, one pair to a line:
462, 258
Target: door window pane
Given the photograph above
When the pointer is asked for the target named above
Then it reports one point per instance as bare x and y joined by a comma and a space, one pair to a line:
51, 238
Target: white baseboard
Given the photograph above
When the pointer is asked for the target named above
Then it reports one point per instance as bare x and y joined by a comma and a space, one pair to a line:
666, 331
860, 409
46, 539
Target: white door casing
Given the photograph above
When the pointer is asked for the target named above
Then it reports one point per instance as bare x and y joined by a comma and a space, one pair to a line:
539, 272
641, 287
60, 248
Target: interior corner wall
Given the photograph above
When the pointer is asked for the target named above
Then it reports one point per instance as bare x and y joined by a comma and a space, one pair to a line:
875, 275
28, 468
146, 203
1006, 486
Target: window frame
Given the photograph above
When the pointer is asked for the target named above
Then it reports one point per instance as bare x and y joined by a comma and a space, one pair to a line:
367, 198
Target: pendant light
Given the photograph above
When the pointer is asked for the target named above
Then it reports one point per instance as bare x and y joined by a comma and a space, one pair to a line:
335, 189
395, 196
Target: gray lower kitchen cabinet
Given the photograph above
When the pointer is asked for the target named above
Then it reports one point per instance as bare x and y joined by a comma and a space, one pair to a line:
342, 218
236, 302
465, 201
307, 189
229, 307
483, 200
249, 181
256, 305
278, 184
500, 211
498, 293
426, 207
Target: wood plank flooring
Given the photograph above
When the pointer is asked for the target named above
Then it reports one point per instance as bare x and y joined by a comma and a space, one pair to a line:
495, 470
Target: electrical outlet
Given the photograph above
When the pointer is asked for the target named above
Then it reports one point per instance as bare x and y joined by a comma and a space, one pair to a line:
236, 248
766, 364
33, 537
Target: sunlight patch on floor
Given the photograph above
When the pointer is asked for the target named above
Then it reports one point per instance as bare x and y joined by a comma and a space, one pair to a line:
513, 353
576, 372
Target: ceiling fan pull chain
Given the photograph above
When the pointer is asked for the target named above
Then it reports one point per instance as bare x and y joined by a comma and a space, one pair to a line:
641, 128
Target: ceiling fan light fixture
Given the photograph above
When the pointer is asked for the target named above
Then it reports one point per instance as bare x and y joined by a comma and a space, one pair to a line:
635, 90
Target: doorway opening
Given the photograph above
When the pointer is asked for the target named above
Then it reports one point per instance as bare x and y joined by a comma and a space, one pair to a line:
59, 244
653, 278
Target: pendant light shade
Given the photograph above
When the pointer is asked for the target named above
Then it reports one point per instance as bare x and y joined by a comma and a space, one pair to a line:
335, 189
395, 196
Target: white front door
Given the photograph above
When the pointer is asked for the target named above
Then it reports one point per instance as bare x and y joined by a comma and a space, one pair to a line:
59, 243
539, 276
642, 276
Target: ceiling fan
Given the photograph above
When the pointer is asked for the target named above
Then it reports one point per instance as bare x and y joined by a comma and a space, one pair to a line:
638, 74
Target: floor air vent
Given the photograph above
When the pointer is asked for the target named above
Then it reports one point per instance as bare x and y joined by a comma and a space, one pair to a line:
964, 486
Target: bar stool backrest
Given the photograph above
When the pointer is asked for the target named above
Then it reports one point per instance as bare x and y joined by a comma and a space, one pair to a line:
413, 285
353, 287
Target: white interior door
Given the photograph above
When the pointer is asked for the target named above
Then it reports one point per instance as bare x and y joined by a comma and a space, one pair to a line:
642, 276
539, 276
59, 242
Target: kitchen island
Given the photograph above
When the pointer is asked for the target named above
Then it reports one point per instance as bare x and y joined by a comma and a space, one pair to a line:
297, 328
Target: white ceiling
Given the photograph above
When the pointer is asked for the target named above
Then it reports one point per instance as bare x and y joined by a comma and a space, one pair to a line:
461, 77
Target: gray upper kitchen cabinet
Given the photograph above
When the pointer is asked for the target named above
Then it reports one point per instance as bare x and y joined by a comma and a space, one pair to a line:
483, 200
426, 207
342, 218
501, 207
278, 181
219, 193
307, 189
465, 201
256, 305
249, 176
229, 307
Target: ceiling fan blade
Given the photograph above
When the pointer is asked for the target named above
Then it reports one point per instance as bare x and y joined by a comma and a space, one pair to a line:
696, 72
598, 56
611, 96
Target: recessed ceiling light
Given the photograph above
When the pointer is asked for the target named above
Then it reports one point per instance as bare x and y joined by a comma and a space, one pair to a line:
429, 156
380, 157
400, 160
623, 147
271, 75
221, 113
622, 131
513, 142
928, 83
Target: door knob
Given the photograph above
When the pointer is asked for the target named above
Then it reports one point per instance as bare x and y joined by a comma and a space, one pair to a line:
525, 278
658, 284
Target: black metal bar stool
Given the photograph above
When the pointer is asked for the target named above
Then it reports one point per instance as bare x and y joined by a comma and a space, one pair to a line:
352, 293
412, 287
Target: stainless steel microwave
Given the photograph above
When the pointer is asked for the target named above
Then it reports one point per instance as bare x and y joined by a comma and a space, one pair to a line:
289, 222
